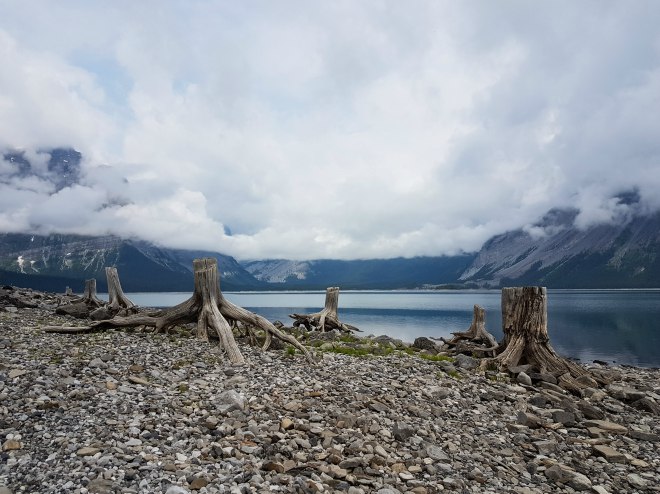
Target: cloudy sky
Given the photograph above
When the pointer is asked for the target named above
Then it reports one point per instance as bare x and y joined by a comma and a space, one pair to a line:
313, 129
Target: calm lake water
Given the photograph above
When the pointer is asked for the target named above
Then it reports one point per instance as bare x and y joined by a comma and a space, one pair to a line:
621, 326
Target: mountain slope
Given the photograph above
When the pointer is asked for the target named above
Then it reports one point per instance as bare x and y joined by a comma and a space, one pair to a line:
613, 255
361, 274
38, 261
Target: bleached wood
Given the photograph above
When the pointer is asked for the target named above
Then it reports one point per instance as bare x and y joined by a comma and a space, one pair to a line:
89, 295
526, 340
476, 339
118, 301
207, 307
327, 318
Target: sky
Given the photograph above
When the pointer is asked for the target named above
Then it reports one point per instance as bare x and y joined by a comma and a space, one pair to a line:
312, 129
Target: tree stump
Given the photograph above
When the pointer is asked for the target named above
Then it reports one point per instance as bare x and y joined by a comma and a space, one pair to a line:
89, 296
118, 301
82, 307
327, 318
526, 340
208, 307
476, 339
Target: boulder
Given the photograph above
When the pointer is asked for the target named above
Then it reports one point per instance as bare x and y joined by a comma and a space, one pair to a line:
424, 343
466, 362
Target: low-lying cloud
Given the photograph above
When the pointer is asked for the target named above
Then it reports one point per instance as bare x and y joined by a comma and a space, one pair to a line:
348, 130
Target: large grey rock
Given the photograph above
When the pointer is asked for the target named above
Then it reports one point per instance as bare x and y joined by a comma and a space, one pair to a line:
563, 475
437, 453
101, 314
78, 310
590, 411
402, 431
465, 362
523, 378
231, 400
647, 405
610, 454
424, 343
176, 489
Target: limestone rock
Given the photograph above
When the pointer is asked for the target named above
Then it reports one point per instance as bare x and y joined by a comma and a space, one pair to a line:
610, 454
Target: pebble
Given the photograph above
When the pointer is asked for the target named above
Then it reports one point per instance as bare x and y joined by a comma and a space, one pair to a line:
128, 412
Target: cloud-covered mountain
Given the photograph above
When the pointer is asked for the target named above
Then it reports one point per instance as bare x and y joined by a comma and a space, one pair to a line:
58, 168
55, 261
614, 245
556, 253
361, 274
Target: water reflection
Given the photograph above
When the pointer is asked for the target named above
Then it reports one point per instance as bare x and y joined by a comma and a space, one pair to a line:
609, 325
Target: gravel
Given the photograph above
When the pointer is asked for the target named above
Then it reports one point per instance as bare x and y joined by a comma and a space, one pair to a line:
132, 412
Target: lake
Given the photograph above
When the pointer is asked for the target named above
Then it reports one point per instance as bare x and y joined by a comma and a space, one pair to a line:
621, 326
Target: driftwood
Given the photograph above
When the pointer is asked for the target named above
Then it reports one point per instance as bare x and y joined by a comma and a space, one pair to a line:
526, 340
476, 340
327, 318
208, 307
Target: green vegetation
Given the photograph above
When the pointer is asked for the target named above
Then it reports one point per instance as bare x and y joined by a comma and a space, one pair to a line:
353, 352
455, 374
436, 358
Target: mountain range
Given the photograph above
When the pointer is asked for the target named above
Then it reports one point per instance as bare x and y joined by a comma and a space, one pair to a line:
617, 255
554, 252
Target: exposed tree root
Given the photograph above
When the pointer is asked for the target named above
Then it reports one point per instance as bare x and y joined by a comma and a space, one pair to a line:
207, 307
526, 340
476, 339
327, 318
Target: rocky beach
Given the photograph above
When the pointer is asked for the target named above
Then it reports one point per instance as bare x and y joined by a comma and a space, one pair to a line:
137, 412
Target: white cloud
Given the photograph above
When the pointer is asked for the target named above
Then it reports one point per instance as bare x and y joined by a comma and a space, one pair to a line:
349, 130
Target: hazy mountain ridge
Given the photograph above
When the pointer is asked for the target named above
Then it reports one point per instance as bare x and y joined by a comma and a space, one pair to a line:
553, 253
361, 274
623, 254
142, 266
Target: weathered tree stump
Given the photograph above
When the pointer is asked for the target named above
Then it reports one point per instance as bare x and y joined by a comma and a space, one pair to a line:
526, 340
327, 318
208, 307
118, 301
476, 339
89, 295
82, 307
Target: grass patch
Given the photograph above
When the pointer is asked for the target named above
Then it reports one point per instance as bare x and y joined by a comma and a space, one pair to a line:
290, 351
455, 374
353, 352
436, 358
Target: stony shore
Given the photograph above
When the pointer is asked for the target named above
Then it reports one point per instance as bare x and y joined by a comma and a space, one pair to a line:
132, 412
